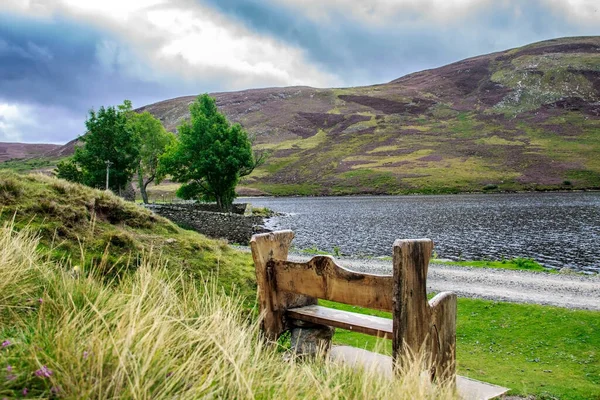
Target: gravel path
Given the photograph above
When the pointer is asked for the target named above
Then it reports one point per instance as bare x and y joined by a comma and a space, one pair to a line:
562, 290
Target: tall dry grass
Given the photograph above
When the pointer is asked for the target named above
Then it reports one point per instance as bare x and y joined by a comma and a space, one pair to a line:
152, 335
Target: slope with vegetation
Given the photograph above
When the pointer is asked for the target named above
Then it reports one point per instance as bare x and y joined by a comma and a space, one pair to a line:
523, 119
110, 301
86, 227
10, 151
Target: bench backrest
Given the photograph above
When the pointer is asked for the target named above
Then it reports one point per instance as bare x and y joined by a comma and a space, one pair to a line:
322, 278
418, 324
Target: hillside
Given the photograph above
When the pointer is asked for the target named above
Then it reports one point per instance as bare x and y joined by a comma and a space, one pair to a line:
145, 316
10, 151
96, 230
522, 119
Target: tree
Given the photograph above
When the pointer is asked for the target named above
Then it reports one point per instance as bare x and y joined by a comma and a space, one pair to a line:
154, 140
109, 142
209, 156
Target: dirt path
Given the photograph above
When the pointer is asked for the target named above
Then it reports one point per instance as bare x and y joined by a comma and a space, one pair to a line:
562, 290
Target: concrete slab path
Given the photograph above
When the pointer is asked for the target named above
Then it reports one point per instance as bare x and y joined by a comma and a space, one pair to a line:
468, 389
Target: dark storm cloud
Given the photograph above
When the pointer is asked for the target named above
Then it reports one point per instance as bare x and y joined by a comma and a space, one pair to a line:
363, 53
61, 69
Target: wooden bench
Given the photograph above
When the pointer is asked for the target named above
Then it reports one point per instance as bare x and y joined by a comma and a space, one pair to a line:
289, 291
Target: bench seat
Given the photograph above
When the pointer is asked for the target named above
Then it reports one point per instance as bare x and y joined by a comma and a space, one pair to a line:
371, 325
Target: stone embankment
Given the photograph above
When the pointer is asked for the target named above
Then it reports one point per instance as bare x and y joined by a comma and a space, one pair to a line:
204, 218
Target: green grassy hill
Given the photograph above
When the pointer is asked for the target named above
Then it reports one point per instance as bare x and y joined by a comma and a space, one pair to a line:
97, 230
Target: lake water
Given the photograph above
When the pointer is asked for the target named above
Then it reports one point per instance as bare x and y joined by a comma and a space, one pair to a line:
556, 229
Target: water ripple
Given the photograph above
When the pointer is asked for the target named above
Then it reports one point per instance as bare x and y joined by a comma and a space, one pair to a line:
556, 229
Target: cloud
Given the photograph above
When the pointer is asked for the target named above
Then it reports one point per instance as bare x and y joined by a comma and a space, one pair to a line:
80, 55
445, 12
72, 55
381, 40
582, 12
389, 12
12, 121
184, 39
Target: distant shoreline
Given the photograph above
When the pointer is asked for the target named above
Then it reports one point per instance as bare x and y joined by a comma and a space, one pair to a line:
593, 190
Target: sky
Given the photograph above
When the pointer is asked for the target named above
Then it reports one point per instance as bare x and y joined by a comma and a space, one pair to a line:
61, 58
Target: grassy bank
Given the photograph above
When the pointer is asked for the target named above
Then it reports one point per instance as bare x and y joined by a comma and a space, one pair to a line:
534, 350
156, 333
82, 226
29, 164
515, 264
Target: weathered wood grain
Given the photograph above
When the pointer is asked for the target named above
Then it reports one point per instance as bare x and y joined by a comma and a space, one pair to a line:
419, 325
443, 336
272, 302
289, 291
411, 312
321, 277
371, 325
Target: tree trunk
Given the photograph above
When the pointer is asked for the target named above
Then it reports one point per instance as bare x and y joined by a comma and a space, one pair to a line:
220, 204
142, 186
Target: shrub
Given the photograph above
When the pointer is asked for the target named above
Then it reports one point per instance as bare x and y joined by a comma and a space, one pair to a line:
10, 189
525, 263
490, 187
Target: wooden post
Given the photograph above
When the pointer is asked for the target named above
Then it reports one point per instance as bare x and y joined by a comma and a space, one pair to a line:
273, 304
419, 325
443, 336
410, 308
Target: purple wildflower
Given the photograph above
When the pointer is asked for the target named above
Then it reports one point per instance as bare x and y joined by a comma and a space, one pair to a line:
6, 343
25, 391
54, 390
40, 300
10, 376
43, 372
86, 354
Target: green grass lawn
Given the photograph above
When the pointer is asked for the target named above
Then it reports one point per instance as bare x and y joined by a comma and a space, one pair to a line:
535, 350
29, 164
521, 264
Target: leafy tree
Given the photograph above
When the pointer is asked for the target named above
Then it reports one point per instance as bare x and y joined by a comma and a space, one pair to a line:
109, 139
154, 140
68, 170
209, 156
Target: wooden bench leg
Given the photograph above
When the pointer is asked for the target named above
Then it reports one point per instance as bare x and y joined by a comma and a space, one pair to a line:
265, 247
